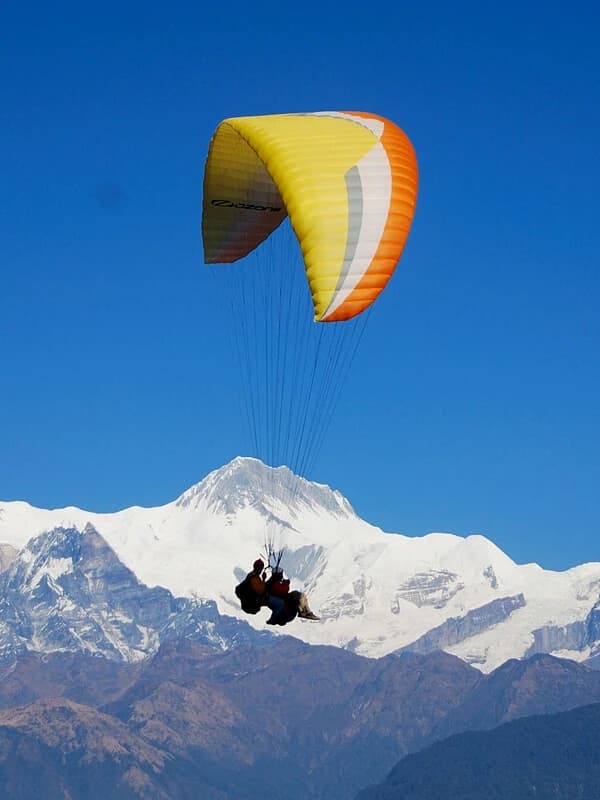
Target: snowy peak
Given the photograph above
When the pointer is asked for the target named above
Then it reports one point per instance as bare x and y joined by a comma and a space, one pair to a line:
67, 559
375, 593
274, 491
68, 591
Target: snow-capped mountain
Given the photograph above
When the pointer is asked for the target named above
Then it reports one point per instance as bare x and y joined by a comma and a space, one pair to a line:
376, 592
66, 590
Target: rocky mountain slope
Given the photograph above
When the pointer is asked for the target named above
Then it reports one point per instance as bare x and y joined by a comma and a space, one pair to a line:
312, 722
68, 591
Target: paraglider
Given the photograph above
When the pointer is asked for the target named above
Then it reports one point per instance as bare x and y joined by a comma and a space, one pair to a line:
347, 182
257, 591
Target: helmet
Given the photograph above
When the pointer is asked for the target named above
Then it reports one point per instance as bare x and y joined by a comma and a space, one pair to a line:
258, 564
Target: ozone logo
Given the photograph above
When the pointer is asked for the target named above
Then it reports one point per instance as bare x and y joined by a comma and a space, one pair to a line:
247, 206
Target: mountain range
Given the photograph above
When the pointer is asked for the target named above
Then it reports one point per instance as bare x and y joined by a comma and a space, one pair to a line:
68, 591
280, 718
377, 593
127, 667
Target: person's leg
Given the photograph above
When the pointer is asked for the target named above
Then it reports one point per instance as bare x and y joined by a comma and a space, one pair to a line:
304, 609
276, 604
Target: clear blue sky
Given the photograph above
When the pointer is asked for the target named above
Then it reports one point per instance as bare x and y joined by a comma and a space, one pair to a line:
474, 400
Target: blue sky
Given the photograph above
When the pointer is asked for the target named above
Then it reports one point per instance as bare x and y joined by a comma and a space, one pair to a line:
473, 402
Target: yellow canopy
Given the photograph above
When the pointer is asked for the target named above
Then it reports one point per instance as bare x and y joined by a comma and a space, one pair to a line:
347, 180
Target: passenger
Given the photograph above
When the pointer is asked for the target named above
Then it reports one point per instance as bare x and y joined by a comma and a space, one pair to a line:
293, 603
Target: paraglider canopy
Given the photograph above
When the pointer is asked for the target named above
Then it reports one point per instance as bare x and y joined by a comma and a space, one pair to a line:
347, 180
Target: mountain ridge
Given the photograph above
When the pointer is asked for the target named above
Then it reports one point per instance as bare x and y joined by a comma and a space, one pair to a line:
376, 592
538, 757
68, 591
